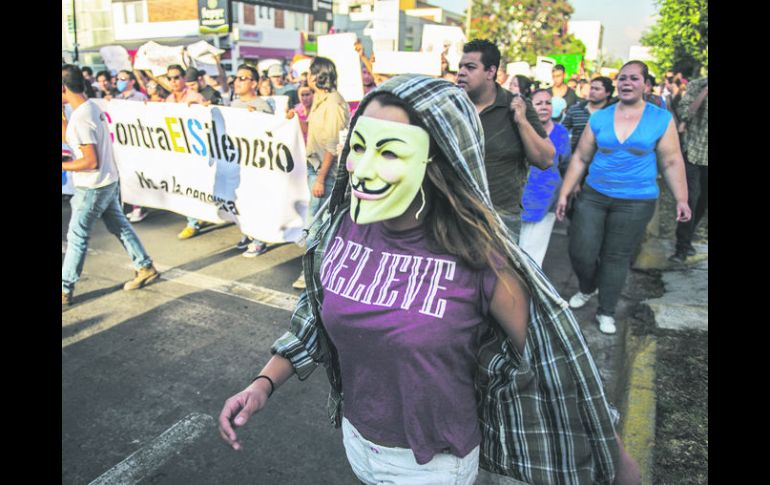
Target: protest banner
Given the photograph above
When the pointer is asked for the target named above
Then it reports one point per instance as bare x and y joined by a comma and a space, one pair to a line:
66, 180
217, 164
340, 48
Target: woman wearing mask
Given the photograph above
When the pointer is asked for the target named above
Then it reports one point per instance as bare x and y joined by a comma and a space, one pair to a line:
626, 144
452, 349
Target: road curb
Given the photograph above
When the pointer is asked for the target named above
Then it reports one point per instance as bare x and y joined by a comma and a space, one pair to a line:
638, 413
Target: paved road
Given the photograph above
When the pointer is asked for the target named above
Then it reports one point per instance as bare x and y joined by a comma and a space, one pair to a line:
145, 373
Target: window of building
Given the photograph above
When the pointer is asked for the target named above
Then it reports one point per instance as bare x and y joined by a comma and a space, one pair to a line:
249, 17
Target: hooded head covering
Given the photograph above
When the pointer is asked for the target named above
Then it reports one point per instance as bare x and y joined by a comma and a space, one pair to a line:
451, 119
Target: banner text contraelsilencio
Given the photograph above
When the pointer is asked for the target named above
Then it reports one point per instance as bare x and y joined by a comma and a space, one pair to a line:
193, 137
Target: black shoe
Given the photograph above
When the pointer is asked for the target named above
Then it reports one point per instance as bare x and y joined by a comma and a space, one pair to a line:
691, 251
679, 257
244, 242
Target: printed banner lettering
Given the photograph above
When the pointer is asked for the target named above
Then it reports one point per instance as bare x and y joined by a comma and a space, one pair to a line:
213, 163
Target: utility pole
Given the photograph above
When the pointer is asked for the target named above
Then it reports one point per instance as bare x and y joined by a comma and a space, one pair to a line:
75, 29
468, 21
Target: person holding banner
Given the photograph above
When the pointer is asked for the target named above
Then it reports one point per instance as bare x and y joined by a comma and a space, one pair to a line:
95, 176
129, 91
182, 94
453, 349
328, 116
245, 87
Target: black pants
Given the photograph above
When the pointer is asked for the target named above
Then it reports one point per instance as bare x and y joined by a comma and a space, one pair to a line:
697, 199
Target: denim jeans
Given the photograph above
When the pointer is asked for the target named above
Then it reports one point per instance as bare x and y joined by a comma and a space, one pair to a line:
316, 202
697, 199
603, 235
88, 205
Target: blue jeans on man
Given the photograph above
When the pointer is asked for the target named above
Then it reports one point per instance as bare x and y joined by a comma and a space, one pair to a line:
88, 205
317, 202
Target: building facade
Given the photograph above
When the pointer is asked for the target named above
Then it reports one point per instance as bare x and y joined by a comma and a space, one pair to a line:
258, 29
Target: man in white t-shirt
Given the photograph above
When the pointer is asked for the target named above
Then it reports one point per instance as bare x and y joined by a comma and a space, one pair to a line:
95, 177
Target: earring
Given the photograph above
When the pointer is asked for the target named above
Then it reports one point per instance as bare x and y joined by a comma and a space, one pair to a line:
422, 206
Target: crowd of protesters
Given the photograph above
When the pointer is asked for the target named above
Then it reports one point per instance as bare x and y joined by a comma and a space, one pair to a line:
586, 149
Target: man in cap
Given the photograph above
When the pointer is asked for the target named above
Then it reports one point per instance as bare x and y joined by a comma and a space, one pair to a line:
282, 88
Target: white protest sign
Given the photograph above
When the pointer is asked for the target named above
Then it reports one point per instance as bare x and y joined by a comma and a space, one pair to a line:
543, 69
203, 57
518, 67
385, 23
340, 49
428, 63
444, 39
116, 58
156, 58
213, 163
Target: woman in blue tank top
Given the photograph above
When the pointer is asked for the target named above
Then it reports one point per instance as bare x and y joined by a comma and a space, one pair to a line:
628, 143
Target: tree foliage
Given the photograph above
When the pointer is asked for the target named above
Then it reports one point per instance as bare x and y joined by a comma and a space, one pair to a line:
679, 40
525, 29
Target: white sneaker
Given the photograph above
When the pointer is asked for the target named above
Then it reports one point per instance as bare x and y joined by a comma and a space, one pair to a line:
137, 215
299, 283
606, 324
579, 299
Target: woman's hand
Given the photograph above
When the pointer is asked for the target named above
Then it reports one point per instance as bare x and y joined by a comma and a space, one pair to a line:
561, 207
239, 409
683, 212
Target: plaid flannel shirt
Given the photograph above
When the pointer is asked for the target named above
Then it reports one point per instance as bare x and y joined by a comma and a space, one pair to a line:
696, 142
543, 414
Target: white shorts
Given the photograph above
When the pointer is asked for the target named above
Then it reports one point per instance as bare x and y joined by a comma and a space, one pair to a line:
376, 464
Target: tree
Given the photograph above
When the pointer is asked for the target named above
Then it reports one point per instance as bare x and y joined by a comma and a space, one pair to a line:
679, 39
525, 29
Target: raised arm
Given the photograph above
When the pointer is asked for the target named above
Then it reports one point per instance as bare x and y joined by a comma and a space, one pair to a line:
539, 150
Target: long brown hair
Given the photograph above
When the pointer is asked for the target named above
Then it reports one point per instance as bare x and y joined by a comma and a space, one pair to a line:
456, 221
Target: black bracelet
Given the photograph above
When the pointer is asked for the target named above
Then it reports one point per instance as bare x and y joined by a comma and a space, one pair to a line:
272, 386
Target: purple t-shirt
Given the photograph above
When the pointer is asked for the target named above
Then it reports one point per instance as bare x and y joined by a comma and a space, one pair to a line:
405, 322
